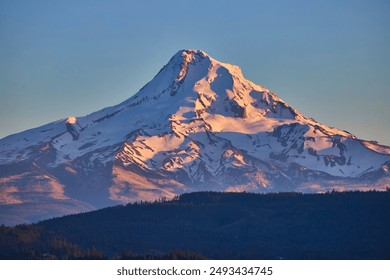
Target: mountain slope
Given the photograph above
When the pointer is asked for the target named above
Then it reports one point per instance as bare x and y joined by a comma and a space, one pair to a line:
198, 125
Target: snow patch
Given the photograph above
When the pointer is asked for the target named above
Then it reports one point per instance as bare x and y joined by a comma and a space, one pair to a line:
71, 120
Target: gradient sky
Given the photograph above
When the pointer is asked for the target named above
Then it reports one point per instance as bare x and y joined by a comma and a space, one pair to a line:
329, 59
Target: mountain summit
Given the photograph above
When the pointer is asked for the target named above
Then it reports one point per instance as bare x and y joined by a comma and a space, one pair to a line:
197, 125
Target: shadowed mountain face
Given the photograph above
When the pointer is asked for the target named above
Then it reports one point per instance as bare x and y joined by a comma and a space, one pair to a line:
198, 125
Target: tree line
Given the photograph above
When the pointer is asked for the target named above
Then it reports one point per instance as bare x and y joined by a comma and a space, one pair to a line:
215, 225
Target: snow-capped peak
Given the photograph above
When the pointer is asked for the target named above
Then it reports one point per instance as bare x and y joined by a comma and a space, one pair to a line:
186, 57
198, 124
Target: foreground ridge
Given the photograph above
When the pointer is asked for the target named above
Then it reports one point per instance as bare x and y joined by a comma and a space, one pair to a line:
345, 225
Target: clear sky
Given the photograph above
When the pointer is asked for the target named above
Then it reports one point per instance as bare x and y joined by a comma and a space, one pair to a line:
330, 59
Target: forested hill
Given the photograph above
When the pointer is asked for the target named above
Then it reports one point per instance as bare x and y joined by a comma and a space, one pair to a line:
337, 225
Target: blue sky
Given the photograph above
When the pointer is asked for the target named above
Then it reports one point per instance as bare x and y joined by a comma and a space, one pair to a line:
329, 59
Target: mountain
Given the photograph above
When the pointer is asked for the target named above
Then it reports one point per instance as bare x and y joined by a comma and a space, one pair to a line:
198, 125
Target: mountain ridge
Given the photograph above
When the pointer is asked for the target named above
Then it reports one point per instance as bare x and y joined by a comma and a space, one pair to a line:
197, 125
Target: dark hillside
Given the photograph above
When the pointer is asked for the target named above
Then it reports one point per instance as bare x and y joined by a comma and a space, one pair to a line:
349, 225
